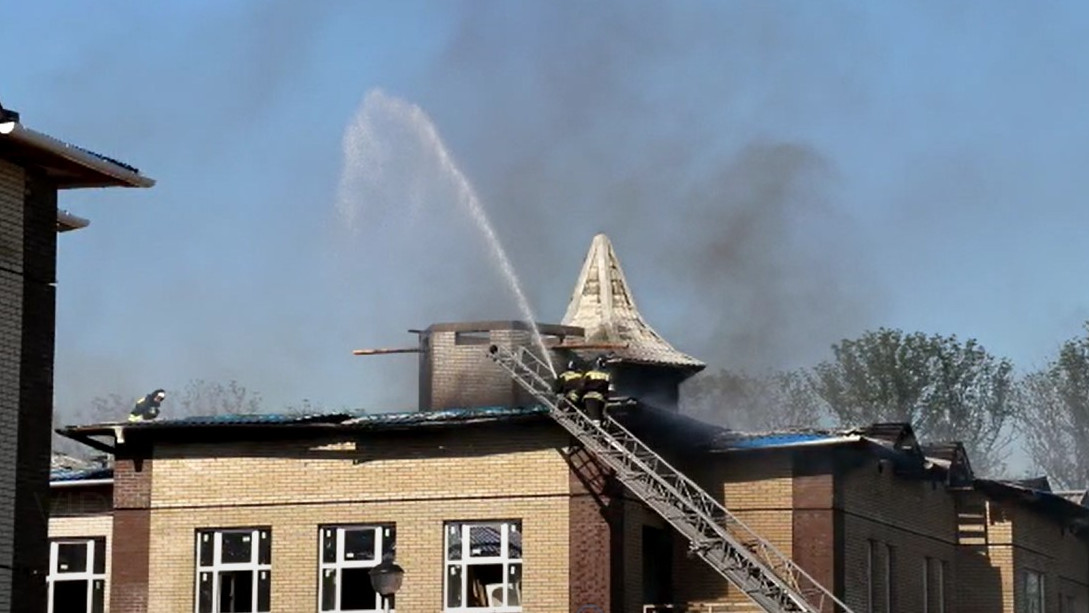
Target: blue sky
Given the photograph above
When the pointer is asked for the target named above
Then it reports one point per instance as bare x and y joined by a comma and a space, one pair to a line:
774, 176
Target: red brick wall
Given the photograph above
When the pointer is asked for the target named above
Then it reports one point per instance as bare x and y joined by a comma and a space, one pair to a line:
594, 522
132, 535
816, 540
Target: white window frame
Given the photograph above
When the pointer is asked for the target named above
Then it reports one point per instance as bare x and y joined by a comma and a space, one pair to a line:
57, 575
509, 564
384, 541
260, 570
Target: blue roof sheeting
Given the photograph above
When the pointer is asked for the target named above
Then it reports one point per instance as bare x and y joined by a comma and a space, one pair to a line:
733, 440
440, 416
778, 440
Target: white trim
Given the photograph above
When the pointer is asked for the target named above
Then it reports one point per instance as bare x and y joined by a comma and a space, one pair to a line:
26, 136
381, 533
217, 567
87, 575
511, 567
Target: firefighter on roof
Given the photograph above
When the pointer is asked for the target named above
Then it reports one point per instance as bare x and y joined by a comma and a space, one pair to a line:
147, 408
569, 383
596, 390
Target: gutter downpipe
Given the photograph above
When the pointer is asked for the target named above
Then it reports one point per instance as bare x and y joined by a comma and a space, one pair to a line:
17, 132
81, 482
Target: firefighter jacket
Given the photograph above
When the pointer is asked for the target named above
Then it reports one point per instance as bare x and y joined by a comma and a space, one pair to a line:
596, 384
569, 383
146, 408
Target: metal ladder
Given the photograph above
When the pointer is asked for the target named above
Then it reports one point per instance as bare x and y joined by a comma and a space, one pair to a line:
769, 578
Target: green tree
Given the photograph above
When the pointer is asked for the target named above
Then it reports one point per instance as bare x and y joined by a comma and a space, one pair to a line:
1055, 415
947, 389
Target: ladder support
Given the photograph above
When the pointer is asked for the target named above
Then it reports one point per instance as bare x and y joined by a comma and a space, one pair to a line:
752, 564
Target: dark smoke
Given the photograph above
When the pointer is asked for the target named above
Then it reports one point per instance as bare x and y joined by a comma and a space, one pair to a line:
671, 127
579, 118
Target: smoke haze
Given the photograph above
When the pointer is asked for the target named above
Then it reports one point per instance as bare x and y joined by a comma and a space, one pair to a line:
774, 177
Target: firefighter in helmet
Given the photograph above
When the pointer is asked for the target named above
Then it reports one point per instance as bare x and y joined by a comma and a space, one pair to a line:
147, 408
569, 383
596, 382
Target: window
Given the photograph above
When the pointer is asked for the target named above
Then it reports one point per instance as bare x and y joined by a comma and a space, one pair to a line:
77, 575
890, 568
1032, 600
484, 566
871, 576
926, 585
234, 570
941, 586
347, 555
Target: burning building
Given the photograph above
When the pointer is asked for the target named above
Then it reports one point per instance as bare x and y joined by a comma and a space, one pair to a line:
489, 499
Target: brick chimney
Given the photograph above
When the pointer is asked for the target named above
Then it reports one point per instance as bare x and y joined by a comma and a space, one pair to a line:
456, 372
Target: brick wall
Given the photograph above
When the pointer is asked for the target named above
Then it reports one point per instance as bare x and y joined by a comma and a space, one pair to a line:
596, 534
132, 526
455, 370
1042, 545
758, 489
28, 209
915, 518
31, 552
417, 481
12, 193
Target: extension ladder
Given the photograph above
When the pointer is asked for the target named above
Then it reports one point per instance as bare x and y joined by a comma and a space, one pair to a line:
770, 579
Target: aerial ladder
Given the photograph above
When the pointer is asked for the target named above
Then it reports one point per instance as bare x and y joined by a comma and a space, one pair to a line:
770, 579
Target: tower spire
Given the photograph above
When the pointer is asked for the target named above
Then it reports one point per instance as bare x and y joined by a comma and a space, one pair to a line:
602, 304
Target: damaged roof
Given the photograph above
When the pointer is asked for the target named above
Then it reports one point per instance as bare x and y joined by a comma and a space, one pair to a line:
602, 304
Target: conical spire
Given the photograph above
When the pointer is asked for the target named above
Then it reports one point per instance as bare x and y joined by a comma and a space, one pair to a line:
603, 305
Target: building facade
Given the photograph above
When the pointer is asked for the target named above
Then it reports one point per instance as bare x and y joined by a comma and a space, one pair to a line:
33, 168
500, 510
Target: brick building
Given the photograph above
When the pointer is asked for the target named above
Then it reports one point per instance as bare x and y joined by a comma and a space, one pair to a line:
34, 167
489, 505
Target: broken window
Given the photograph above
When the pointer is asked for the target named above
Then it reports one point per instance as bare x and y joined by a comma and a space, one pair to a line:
348, 553
484, 566
77, 575
234, 570
1032, 599
473, 337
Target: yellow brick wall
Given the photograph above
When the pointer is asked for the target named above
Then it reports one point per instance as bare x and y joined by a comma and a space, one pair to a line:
417, 483
758, 490
1040, 544
88, 526
917, 518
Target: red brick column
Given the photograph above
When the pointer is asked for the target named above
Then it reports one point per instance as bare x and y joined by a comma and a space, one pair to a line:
131, 535
818, 540
593, 523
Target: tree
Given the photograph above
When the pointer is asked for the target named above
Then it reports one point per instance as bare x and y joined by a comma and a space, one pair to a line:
1055, 415
742, 401
947, 389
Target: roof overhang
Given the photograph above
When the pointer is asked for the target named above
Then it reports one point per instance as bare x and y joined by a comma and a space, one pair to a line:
66, 165
66, 222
